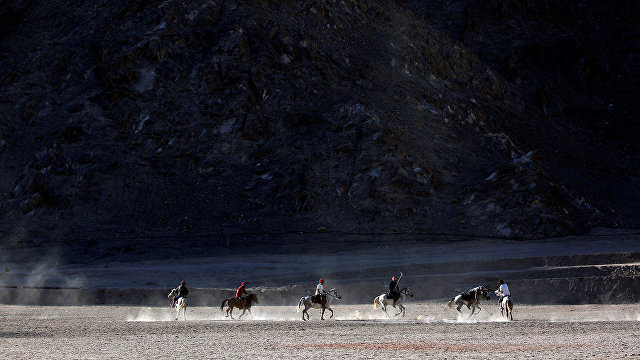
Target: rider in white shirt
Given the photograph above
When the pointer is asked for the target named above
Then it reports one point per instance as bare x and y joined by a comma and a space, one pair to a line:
504, 290
320, 291
320, 288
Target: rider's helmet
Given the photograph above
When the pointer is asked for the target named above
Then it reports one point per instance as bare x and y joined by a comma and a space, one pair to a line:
501, 281
183, 283
243, 284
321, 281
394, 279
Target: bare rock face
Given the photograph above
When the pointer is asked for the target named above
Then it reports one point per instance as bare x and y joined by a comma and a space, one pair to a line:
213, 117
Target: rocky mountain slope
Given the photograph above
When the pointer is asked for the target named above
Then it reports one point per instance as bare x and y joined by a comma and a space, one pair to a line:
167, 118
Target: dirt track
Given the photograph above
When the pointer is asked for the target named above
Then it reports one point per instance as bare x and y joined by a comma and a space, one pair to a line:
356, 331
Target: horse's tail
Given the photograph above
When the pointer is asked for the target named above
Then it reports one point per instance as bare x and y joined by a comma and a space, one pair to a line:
451, 302
300, 303
222, 305
376, 303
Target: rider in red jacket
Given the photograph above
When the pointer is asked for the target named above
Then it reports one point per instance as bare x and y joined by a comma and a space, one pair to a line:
241, 291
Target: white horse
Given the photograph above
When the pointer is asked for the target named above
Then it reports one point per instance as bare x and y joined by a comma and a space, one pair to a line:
506, 305
384, 300
471, 299
308, 303
181, 304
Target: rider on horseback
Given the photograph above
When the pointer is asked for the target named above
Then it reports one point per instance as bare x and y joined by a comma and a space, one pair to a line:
242, 291
321, 294
503, 290
182, 291
394, 290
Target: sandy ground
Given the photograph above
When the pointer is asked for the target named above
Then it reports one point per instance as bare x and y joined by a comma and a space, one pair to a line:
429, 330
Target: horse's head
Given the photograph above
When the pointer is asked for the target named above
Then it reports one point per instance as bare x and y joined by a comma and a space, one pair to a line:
173, 293
334, 293
406, 291
484, 292
254, 298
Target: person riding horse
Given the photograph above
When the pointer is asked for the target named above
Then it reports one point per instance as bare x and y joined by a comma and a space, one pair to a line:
242, 291
182, 291
320, 295
394, 290
503, 290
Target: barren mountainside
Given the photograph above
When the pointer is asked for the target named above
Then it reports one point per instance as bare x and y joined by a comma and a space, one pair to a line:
371, 117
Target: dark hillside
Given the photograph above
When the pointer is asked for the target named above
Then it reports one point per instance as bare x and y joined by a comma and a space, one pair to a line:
576, 64
189, 118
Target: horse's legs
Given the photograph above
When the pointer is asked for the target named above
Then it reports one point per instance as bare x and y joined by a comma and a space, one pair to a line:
231, 312
384, 307
401, 310
459, 306
305, 312
331, 313
322, 314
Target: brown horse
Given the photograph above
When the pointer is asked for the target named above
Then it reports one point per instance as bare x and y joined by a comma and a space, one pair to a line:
237, 303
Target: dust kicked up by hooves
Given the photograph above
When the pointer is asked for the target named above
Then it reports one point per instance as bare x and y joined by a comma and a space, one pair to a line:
416, 313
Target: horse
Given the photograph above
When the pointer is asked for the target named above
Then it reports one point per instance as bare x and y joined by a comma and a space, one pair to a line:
470, 299
384, 300
308, 303
506, 305
238, 303
181, 304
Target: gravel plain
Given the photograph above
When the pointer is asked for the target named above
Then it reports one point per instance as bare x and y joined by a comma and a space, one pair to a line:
429, 330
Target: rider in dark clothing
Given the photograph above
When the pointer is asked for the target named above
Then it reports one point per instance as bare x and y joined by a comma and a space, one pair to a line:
394, 291
182, 292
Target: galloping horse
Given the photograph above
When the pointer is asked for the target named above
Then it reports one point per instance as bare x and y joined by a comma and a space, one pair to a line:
384, 300
235, 302
506, 305
470, 299
308, 303
181, 304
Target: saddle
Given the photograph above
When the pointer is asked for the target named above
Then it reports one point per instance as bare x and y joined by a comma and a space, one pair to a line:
242, 301
393, 296
319, 299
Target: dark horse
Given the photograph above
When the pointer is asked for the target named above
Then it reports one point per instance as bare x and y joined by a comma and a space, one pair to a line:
470, 299
238, 303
